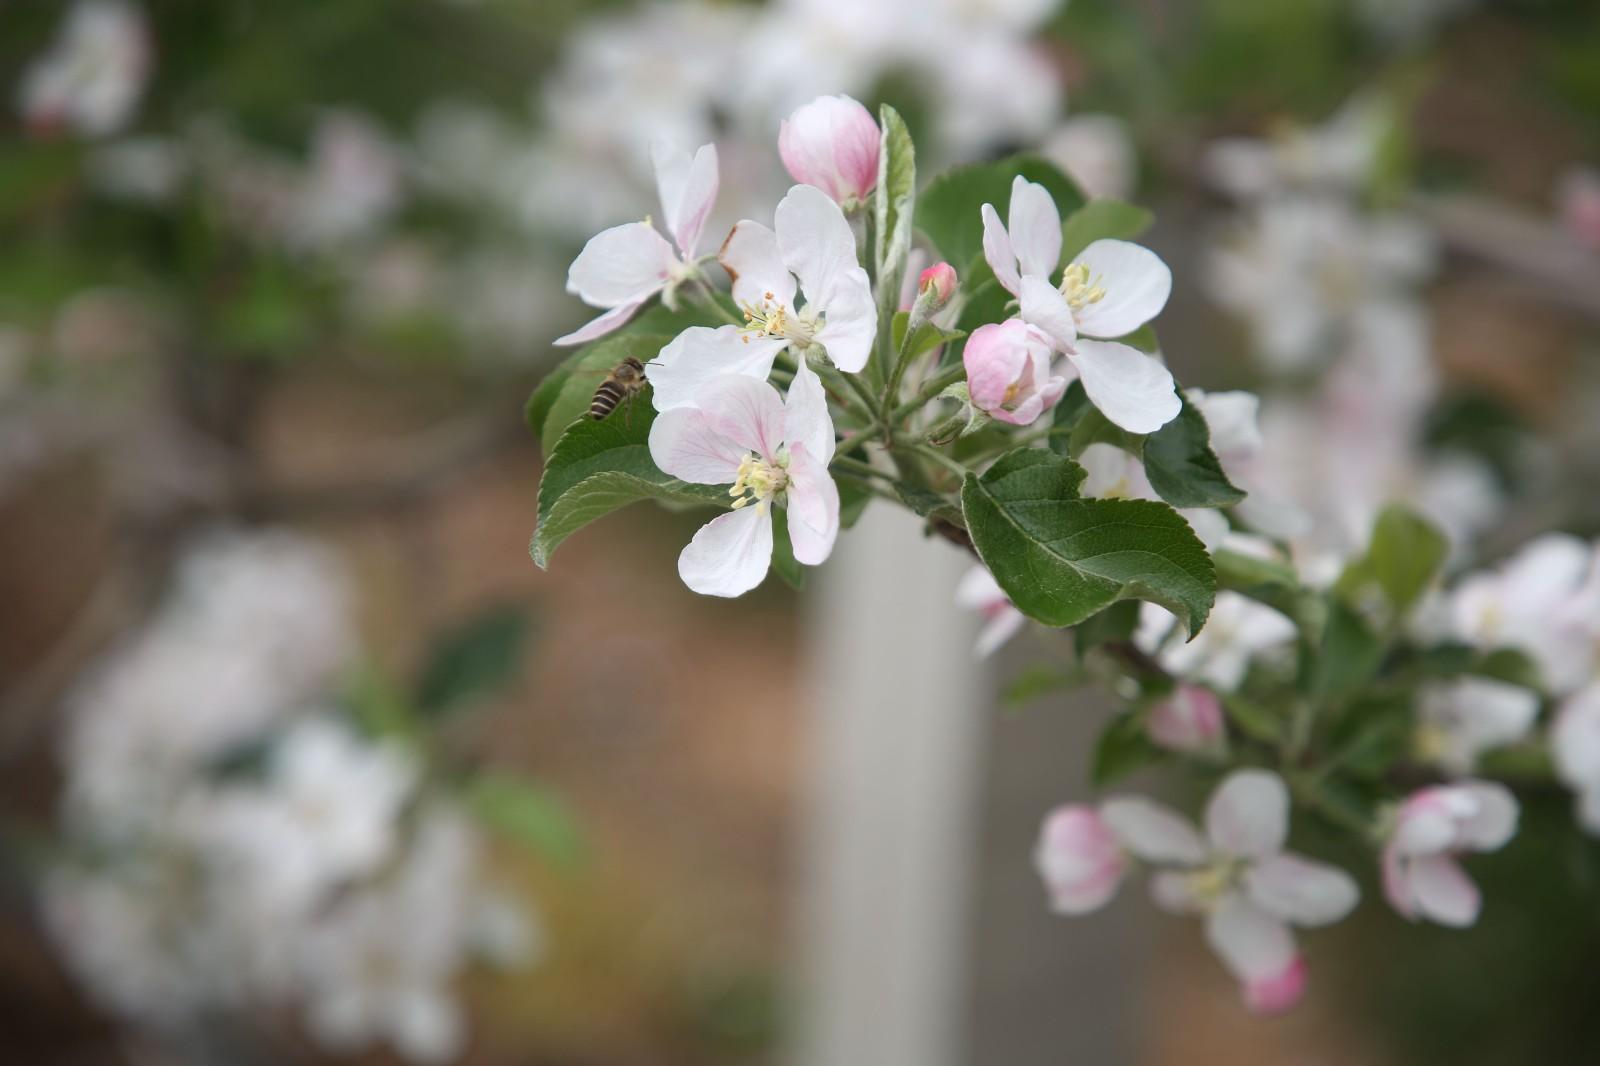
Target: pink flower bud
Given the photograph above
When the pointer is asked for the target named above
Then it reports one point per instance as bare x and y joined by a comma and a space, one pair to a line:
1080, 859
1008, 372
832, 143
1279, 992
937, 284
1190, 720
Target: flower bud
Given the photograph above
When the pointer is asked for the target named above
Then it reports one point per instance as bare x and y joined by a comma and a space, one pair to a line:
1008, 372
1188, 721
832, 143
936, 285
1080, 859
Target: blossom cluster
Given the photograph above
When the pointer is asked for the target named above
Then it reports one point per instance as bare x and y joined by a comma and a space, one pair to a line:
233, 841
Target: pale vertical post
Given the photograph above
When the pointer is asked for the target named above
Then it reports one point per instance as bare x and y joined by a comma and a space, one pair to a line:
889, 809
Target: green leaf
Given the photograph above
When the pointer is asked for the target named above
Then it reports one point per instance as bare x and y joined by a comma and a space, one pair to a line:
1181, 466
784, 564
1061, 558
527, 813
1038, 681
1121, 749
948, 212
1349, 654
1092, 427
926, 503
1144, 339
928, 336
1100, 220
1115, 623
893, 205
551, 412
473, 660
1065, 418
598, 467
1252, 719
853, 500
1402, 560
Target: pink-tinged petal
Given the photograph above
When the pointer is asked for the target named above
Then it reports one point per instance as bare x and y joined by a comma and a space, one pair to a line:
688, 188
1248, 814
1175, 893
1279, 992
1035, 227
815, 241
850, 321
806, 419
1257, 948
746, 411
1153, 832
813, 507
1004, 623
1397, 883
731, 553
998, 251
832, 143
1300, 890
624, 264
1136, 282
1430, 820
686, 443
1443, 891
613, 319
1079, 859
701, 354
1190, 720
995, 356
750, 256
1130, 388
1043, 306
1492, 825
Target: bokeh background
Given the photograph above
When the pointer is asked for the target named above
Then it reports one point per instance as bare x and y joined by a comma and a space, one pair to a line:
304, 761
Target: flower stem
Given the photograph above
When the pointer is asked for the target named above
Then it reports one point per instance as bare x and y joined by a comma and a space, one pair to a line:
930, 389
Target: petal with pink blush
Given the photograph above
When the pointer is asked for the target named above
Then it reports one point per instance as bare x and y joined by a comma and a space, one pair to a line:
1442, 890
613, 319
620, 265
995, 356
1279, 992
832, 143
746, 411
1004, 623
998, 251
688, 188
730, 554
1153, 832
1130, 388
1079, 859
750, 256
700, 355
686, 443
1248, 815
1136, 283
812, 503
1257, 948
1300, 890
1035, 228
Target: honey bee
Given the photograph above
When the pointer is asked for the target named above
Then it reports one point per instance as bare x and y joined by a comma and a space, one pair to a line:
624, 382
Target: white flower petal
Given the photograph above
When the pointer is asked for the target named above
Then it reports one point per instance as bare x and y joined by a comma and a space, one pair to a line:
1043, 307
815, 241
426, 1025
750, 256
1137, 284
850, 321
687, 443
1248, 814
1130, 388
1251, 943
998, 251
1004, 623
1079, 860
1300, 890
812, 502
624, 264
701, 354
731, 553
1443, 891
1035, 228
1175, 893
747, 411
1153, 832
688, 188
613, 319
1494, 822
805, 415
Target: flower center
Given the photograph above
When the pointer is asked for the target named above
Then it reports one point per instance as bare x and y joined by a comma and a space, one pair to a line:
770, 318
1210, 883
759, 480
1080, 289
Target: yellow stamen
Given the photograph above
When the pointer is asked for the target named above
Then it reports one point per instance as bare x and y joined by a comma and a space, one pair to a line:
1079, 289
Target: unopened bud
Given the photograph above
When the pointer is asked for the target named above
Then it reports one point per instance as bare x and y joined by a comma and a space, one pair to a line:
1188, 721
936, 285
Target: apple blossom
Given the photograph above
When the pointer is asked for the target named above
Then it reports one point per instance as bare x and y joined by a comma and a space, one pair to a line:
1237, 631
1430, 830
621, 268
979, 591
832, 144
937, 284
1189, 720
1460, 721
774, 451
1238, 876
1111, 289
811, 243
1009, 375
1575, 745
92, 77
